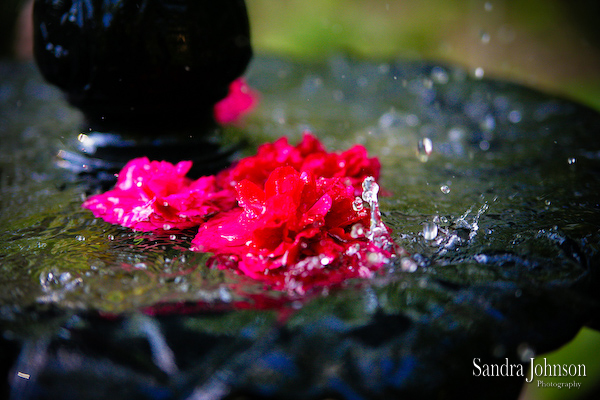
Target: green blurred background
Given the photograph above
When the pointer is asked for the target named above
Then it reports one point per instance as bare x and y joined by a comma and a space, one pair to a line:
550, 45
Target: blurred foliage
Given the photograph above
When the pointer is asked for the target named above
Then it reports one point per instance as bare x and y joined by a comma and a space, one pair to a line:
584, 349
551, 45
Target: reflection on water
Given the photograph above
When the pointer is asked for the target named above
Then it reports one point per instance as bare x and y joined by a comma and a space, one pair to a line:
492, 189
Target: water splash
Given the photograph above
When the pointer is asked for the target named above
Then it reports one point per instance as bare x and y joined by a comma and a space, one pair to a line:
378, 232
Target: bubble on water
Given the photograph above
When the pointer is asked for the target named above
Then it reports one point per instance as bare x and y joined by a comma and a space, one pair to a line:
390, 119
445, 189
424, 149
514, 116
488, 123
456, 134
412, 120
430, 230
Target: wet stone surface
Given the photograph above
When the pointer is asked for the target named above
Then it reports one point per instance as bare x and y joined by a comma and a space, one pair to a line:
493, 190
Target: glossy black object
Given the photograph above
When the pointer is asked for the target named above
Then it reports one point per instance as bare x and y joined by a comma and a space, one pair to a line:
145, 64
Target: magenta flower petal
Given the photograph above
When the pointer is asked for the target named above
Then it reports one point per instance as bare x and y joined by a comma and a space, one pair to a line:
152, 195
240, 100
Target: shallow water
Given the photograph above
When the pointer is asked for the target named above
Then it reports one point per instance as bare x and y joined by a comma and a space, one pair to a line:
492, 189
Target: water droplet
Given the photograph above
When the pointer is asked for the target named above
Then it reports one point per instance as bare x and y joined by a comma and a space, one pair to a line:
353, 249
166, 227
357, 231
479, 72
358, 205
439, 75
374, 258
370, 190
80, 238
424, 149
488, 6
445, 189
325, 260
166, 203
408, 265
571, 160
430, 230
225, 294
485, 37
111, 237
173, 237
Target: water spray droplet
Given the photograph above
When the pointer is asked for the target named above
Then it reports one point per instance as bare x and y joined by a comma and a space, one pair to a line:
430, 230
485, 37
479, 72
357, 231
358, 205
424, 149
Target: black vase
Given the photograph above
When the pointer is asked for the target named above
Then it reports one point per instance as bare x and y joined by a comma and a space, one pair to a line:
142, 65
146, 75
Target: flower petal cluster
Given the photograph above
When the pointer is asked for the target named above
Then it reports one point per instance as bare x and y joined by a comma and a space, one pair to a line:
295, 220
152, 195
352, 165
289, 215
240, 100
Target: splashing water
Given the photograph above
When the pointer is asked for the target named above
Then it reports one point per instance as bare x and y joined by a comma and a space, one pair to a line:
378, 232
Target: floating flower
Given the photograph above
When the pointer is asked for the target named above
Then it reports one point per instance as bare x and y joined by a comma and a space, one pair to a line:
297, 232
240, 100
152, 195
288, 216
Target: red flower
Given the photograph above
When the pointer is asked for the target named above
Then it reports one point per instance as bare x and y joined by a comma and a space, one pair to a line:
240, 100
295, 233
353, 165
296, 224
152, 195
